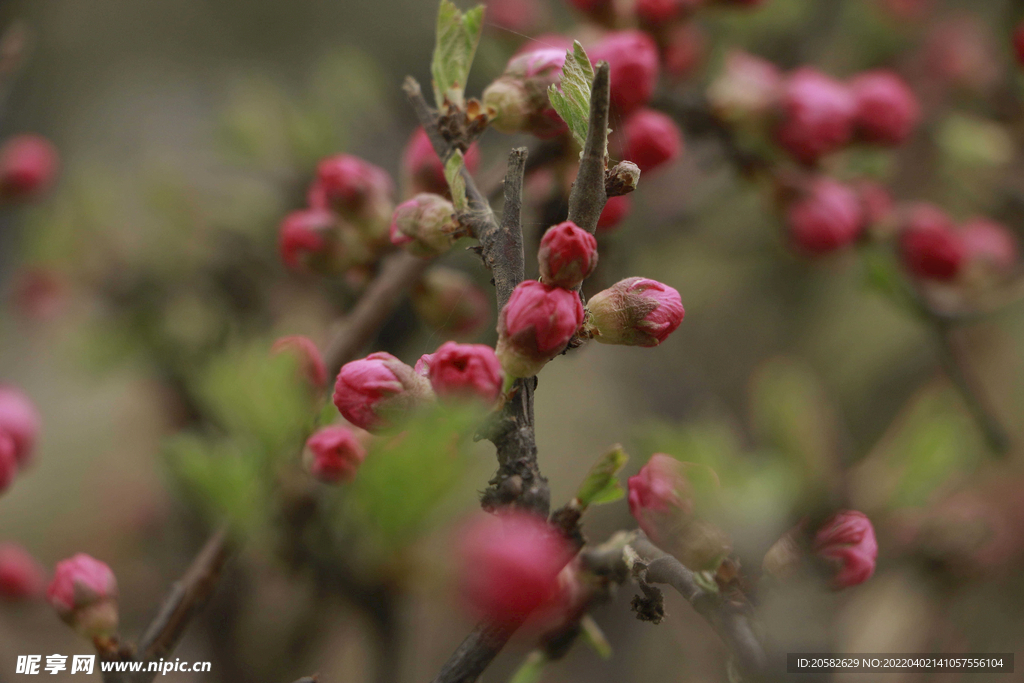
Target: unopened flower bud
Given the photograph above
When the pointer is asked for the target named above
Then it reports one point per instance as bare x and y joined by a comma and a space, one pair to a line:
334, 454
21, 577
847, 542
622, 178
635, 312
652, 139
311, 240
359, 192
930, 246
422, 168
376, 392
449, 302
567, 255
615, 211
510, 565
656, 12
519, 97
425, 225
989, 245
535, 326
816, 115
465, 372
886, 109
684, 50
19, 420
308, 356
84, 593
632, 58
28, 166
747, 89
828, 218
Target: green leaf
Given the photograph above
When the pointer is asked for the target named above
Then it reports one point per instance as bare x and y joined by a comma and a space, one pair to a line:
595, 637
458, 35
572, 102
601, 484
456, 183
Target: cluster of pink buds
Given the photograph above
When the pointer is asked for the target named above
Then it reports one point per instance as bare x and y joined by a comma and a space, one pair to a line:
447, 301
28, 167
19, 427
933, 247
334, 454
21, 577
84, 594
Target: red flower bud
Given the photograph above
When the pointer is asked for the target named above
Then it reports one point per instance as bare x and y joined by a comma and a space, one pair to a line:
1018, 43
28, 166
465, 371
567, 255
817, 115
334, 454
377, 391
830, 217
20, 420
655, 12
8, 462
990, 244
449, 302
84, 593
748, 88
348, 183
519, 97
310, 240
929, 245
847, 541
425, 225
590, 6
887, 110
535, 326
615, 211
632, 58
652, 139
21, 577
510, 565
635, 312
684, 50
422, 168
308, 356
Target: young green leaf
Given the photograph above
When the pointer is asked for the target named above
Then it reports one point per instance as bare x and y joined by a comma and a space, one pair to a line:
457, 37
456, 183
595, 638
572, 102
601, 484
531, 669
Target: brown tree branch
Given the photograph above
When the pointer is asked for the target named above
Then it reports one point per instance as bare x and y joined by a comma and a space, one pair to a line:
588, 196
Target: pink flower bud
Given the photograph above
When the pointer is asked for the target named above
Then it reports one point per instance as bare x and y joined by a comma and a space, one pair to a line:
21, 577
684, 50
590, 6
374, 393
521, 16
8, 461
334, 454
535, 326
632, 58
990, 244
84, 593
425, 225
449, 302
422, 168
635, 312
308, 356
349, 183
848, 542
465, 371
652, 139
20, 420
519, 97
828, 218
567, 255
817, 115
28, 166
309, 240
747, 89
510, 565
887, 110
929, 245
615, 211
656, 12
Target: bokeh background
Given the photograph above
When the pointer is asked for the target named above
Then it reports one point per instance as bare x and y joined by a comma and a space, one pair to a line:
188, 128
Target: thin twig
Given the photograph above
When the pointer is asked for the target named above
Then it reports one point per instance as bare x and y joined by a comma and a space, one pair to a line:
587, 197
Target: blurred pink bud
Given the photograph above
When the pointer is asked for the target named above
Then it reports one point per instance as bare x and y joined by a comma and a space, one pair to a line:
519, 97
425, 225
334, 454
887, 109
657, 489
635, 312
590, 6
930, 246
748, 87
308, 241
21, 577
816, 115
374, 393
632, 58
84, 593
20, 420
656, 12
876, 202
308, 355
652, 139
567, 255
510, 565
535, 326
684, 49
422, 366
8, 461
615, 211
960, 51
1018, 43
828, 218
521, 16
465, 371
349, 183
449, 302
848, 542
989, 243
28, 166
422, 168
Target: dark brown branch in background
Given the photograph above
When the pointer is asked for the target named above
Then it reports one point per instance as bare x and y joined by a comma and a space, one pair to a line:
587, 197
